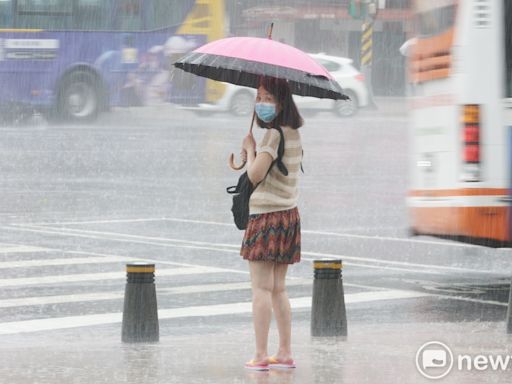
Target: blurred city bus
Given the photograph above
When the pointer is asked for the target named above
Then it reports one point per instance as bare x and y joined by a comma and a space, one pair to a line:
460, 68
79, 57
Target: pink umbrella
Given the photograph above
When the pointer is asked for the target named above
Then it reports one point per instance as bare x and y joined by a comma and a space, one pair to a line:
244, 60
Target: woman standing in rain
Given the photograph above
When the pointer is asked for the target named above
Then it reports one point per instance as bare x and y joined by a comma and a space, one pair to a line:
272, 239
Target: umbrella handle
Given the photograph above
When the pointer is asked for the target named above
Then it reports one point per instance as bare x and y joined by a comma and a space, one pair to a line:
231, 160
232, 164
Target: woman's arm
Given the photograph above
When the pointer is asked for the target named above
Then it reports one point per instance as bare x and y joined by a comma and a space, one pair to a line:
257, 164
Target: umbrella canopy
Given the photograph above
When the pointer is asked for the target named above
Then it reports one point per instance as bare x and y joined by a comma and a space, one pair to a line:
243, 60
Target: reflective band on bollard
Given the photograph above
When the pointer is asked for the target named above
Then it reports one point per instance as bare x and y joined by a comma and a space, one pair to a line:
509, 312
327, 269
140, 314
328, 315
140, 273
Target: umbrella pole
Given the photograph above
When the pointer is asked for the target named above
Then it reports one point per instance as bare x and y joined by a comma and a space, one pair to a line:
252, 121
232, 156
231, 160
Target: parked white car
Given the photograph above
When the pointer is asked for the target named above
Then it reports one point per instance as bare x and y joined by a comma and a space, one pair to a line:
240, 100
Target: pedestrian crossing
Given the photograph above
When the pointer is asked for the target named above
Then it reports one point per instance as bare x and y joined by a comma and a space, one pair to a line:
61, 292
119, 295
185, 312
62, 261
99, 276
16, 248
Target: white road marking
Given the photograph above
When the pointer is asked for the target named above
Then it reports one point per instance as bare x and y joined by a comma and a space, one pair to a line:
18, 248
184, 312
480, 301
117, 295
383, 267
388, 238
314, 232
89, 236
116, 221
390, 262
432, 269
81, 277
161, 262
116, 235
63, 261
45, 300
102, 221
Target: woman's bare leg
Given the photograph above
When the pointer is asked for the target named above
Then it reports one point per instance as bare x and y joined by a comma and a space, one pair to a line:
262, 280
282, 312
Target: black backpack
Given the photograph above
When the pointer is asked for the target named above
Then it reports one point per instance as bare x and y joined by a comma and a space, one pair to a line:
244, 188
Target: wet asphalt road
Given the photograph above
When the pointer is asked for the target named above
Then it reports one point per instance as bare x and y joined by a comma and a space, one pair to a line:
79, 201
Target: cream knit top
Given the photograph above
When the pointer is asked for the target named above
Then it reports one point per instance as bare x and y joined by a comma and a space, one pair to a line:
278, 192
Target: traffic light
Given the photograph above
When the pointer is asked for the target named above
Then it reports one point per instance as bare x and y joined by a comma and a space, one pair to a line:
359, 9
354, 9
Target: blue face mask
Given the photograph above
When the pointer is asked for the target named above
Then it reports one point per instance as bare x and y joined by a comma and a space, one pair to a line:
266, 111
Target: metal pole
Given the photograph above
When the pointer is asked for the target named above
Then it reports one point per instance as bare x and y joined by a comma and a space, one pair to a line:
367, 56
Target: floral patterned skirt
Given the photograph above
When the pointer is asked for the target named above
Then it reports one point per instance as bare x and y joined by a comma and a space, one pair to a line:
273, 236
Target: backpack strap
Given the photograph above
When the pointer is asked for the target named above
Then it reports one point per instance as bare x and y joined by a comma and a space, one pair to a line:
280, 154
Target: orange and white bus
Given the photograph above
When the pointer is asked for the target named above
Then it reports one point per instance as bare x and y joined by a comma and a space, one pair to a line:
460, 68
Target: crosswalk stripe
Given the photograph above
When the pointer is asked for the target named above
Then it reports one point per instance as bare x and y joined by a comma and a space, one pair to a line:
116, 236
63, 261
54, 279
117, 295
13, 248
298, 303
45, 300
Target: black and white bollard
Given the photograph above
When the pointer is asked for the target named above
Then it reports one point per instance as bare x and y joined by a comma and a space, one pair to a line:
328, 315
509, 312
140, 314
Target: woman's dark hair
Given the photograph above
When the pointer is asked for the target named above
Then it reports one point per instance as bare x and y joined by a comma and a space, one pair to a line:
289, 115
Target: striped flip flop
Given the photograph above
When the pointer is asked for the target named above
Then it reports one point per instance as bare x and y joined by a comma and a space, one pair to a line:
273, 362
256, 366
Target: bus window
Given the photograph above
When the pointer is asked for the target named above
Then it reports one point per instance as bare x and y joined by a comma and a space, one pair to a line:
128, 16
44, 14
508, 47
91, 15
166, 13
5, 13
